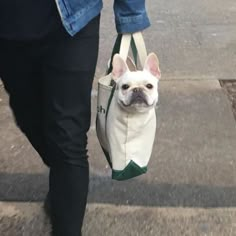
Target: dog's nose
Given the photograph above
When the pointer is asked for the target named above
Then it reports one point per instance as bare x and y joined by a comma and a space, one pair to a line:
136, 90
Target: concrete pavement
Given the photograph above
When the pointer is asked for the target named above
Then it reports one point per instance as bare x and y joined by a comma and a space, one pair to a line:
190, 185
105, 220
193, 39
193, 166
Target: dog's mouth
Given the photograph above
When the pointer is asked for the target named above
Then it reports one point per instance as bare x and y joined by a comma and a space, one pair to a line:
138, 98
136, 101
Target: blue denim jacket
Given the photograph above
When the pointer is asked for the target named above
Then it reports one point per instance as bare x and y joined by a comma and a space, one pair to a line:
130, 15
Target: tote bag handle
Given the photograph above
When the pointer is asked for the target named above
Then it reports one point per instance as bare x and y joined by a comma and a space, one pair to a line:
124, 42
139, 45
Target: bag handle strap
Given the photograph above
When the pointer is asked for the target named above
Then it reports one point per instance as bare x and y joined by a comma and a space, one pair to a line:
124, 42
139, 45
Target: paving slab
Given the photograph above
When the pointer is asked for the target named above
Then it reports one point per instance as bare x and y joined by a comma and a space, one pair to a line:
193, 161
27, 219
193, 39
192, 169
190, 185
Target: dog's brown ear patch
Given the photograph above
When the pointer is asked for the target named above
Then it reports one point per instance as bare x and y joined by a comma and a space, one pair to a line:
119, 66
152, 65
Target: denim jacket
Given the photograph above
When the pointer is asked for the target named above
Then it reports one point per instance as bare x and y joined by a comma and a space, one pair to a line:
130, 15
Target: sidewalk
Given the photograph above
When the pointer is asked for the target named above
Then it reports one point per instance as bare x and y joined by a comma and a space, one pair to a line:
190, 186
107, 220
193, 166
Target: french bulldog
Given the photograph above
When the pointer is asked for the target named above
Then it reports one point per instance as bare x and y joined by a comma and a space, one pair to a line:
136, 91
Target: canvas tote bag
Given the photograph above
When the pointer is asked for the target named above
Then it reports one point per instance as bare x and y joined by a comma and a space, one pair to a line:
126, 139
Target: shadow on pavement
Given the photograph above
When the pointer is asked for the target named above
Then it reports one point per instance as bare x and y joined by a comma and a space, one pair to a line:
33, 187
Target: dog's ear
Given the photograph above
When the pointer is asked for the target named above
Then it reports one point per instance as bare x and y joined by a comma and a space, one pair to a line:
119, 66
130, 63
152, 65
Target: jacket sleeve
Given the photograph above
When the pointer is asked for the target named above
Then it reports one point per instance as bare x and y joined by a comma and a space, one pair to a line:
130, 16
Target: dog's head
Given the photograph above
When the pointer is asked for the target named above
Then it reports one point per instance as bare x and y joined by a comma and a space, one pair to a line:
137, 91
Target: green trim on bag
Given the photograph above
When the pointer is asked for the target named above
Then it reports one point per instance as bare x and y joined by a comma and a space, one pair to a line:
134, 51
131, 170
103, 149
106, 153
107, 156
116, 49
110, 99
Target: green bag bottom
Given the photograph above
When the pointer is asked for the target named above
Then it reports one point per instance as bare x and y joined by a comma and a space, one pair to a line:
131, 170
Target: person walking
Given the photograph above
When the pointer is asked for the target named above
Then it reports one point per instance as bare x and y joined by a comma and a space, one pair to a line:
48, 56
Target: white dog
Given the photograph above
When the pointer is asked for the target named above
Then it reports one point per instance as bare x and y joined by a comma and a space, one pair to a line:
131, 119
137, 91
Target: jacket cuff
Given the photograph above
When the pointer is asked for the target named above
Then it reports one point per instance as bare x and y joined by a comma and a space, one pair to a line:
131, 24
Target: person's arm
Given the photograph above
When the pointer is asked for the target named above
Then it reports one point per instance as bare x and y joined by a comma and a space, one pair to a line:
130, 16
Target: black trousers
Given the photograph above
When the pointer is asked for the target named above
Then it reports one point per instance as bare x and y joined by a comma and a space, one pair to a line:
49, 83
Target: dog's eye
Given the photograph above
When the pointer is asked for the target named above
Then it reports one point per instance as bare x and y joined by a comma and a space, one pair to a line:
125, 86
149, 86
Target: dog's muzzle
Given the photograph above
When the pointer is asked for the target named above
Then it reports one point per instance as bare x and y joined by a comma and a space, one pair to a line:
138, 97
